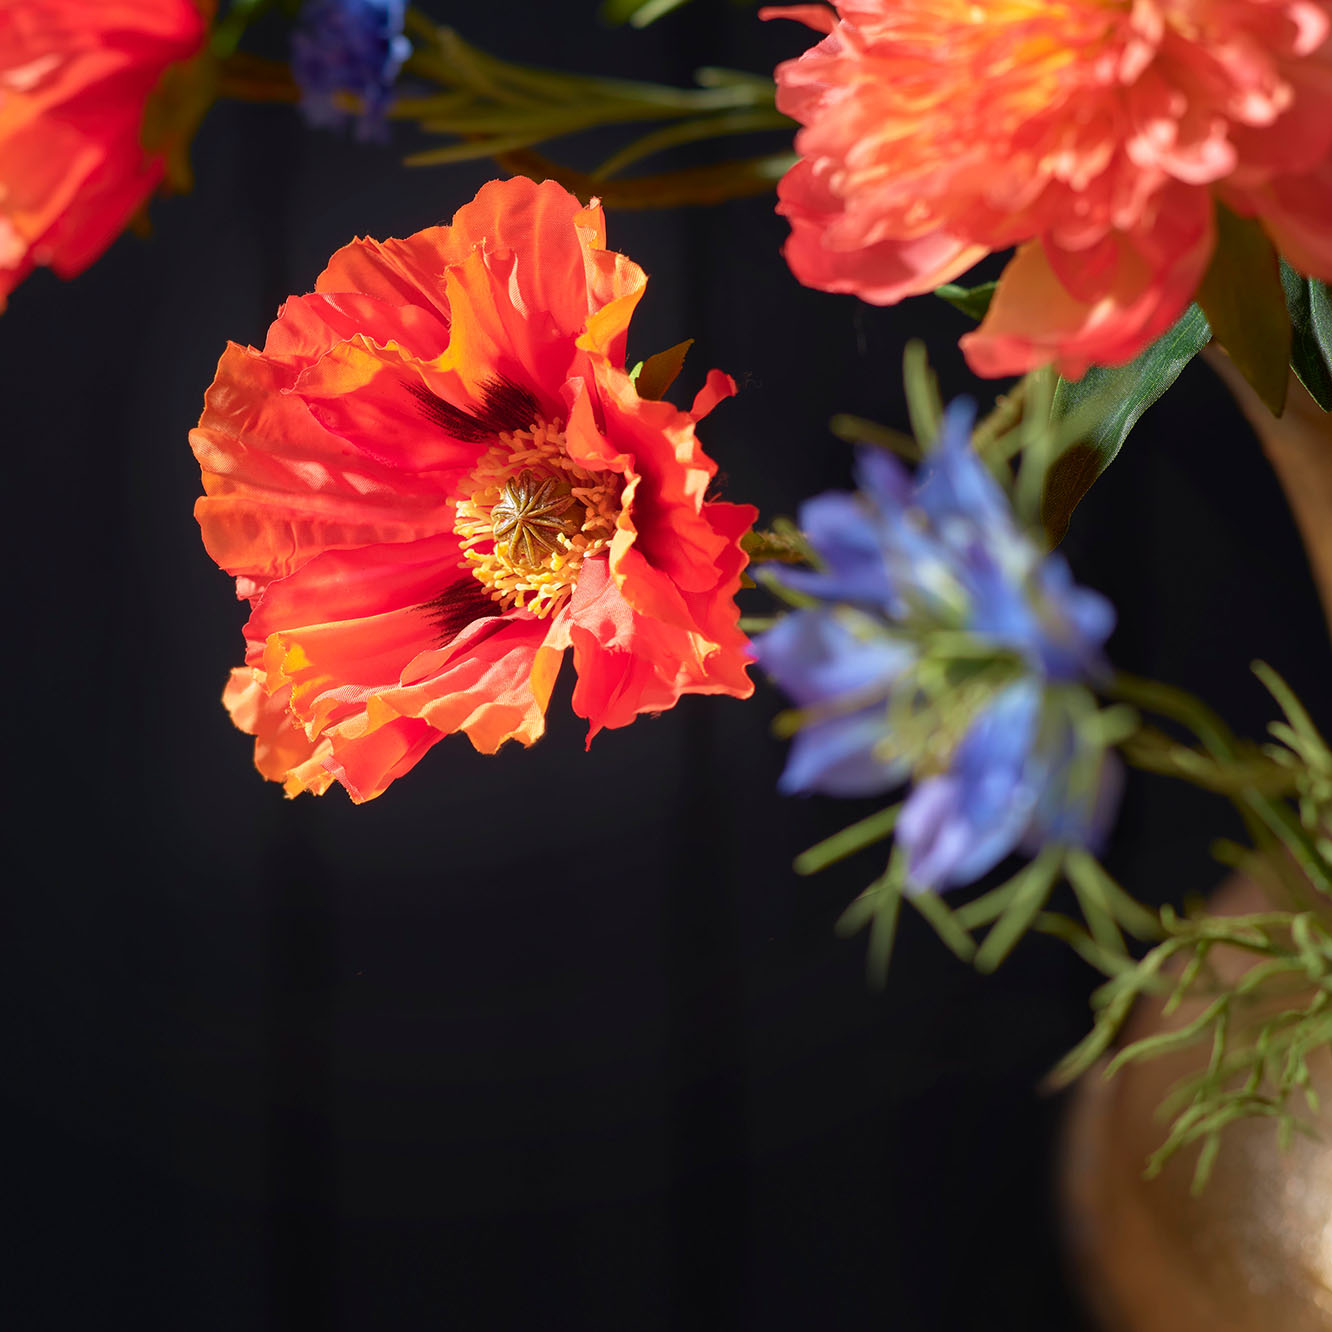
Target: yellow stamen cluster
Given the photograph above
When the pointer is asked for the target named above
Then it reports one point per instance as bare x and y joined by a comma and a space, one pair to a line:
529, 516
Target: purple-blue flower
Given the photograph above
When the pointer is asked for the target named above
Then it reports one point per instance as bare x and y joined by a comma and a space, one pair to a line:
842, 669
945, 647
943, 550
349, 46
1019, 780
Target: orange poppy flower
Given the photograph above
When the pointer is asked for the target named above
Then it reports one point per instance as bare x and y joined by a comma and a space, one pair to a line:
75, 81
1095, 135
437, 476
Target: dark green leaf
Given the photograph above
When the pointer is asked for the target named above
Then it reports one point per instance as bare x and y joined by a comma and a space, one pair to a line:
638, 12
1310, 311
1111, 400
972, 301
1241, 296
658, 372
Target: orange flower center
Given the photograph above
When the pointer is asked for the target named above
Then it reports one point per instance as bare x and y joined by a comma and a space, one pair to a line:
529, 516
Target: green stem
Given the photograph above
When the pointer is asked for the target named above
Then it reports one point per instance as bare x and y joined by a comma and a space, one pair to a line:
1153, 751
1177, 704
857, 837
671, 189
691, 131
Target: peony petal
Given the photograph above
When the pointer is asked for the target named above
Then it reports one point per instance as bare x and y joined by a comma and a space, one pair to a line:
1034, 318
1295, 211
822, 18
935, 133
882, 273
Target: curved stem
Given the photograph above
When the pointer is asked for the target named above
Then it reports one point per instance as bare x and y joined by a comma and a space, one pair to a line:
670, 189
250, 78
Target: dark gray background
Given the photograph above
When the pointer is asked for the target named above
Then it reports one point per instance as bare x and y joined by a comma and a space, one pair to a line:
449, 1061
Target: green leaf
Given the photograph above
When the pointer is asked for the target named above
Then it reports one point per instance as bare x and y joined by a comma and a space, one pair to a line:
859, 835
936, 911
1031, 889
659, 371
1310, 311
972, 301
471, 150
637, 12
1242, 297
883, 934
878, 907
1110, 400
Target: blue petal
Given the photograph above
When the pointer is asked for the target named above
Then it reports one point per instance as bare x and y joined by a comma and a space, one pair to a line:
1073, 810
959, 826
839, 758
1075, 623
884, 480
953, 482
815, 656
843, 532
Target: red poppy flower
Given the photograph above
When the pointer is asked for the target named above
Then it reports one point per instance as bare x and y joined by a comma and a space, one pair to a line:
437, 476
1097, 137
75, 81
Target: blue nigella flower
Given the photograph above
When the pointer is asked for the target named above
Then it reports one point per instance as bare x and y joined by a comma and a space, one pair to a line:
943, 550
916, 572
842, 669
349, 46
1018, 781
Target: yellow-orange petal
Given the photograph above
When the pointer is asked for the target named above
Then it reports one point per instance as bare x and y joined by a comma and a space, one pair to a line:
282, 752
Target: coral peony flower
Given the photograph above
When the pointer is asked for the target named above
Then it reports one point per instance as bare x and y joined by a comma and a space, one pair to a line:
437, 476
76, 81
941, 645
1095, 135
349, 46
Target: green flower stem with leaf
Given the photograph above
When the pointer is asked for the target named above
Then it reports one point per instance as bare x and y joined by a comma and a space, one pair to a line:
494, 108
1259, 1027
